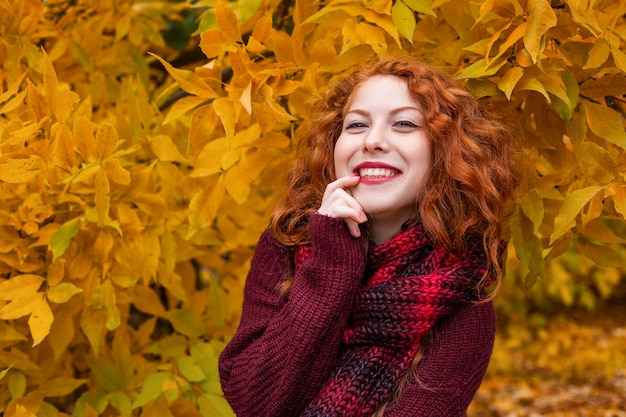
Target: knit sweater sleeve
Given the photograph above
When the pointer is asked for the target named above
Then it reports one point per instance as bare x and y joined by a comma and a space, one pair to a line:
456, 355
285, 348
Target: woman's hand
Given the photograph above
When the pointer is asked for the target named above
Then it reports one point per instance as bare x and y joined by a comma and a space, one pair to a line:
338, 202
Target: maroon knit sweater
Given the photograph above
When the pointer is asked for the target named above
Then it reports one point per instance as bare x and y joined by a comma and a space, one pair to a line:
285, 348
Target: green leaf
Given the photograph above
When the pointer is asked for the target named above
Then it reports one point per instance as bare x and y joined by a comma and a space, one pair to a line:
106, 374
572, 206
154, 386
190, 370
17, 384
121, 401
211, 405
186, 323
62, 238
606, 123
532, 205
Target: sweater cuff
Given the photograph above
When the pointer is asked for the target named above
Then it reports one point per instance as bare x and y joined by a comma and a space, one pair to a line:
332, 243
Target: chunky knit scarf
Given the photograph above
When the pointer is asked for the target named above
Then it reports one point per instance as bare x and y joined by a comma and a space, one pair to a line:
409, 284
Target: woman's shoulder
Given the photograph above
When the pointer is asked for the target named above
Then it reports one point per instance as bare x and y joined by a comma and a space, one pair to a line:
470, 323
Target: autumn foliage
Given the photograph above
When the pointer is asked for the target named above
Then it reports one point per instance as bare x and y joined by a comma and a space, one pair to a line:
134, 181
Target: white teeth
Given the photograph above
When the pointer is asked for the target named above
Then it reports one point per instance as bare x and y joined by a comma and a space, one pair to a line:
376, 172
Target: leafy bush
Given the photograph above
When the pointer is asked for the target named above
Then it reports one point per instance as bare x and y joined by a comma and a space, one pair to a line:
134, 186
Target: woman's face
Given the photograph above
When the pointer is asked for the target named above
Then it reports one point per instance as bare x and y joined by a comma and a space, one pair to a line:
384, 143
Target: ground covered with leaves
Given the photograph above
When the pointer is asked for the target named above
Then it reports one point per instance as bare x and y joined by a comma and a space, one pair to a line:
573, 366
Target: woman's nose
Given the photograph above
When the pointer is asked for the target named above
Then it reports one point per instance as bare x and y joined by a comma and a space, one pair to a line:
375, 139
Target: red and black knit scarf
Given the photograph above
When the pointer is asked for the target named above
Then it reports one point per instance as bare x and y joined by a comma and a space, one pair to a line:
409, 284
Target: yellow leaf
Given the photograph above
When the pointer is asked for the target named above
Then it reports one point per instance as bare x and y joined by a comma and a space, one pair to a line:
9, 334
14, 103
246, 98
485, 8
146, 300
420, 6
533, 84
263, 28
572, 206
509, 80
618, 193
21, 411
255, 47
619, 57
482, 68
19, 286
110, 305
515, 36
541, 19
92, 322
50, 83
605, 123
227, 21
105, 141
166, 150
594, 209
62, 292
204, 206
247, 136
375, 37
16, 171
40, 319
102, 246
84, 138
60, 386
279, 111
225, 110
554, 85
37, 102
237, 180
600, 254
403, 19
115, 172
598, 54
102, 200
353, 35
283, 47
63, 155
212, 43
182, 107
230, 158
188, 80
12, 89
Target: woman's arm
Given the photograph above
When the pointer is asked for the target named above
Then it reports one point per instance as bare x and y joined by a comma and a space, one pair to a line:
285, 347
456, 355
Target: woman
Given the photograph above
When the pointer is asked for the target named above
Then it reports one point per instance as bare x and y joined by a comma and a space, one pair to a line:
366, 296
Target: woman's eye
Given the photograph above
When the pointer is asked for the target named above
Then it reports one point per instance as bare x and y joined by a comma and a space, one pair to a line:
406, 124
355, 125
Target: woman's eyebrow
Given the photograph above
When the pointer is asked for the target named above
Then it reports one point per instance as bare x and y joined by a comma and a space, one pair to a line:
393, 112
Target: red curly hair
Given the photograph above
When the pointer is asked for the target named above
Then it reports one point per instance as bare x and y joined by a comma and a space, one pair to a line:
473, 174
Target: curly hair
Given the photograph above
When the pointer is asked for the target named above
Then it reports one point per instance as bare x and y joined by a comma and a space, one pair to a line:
473, 175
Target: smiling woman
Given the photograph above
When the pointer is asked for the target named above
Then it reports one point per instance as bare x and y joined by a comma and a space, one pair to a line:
366, 295
383, 144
